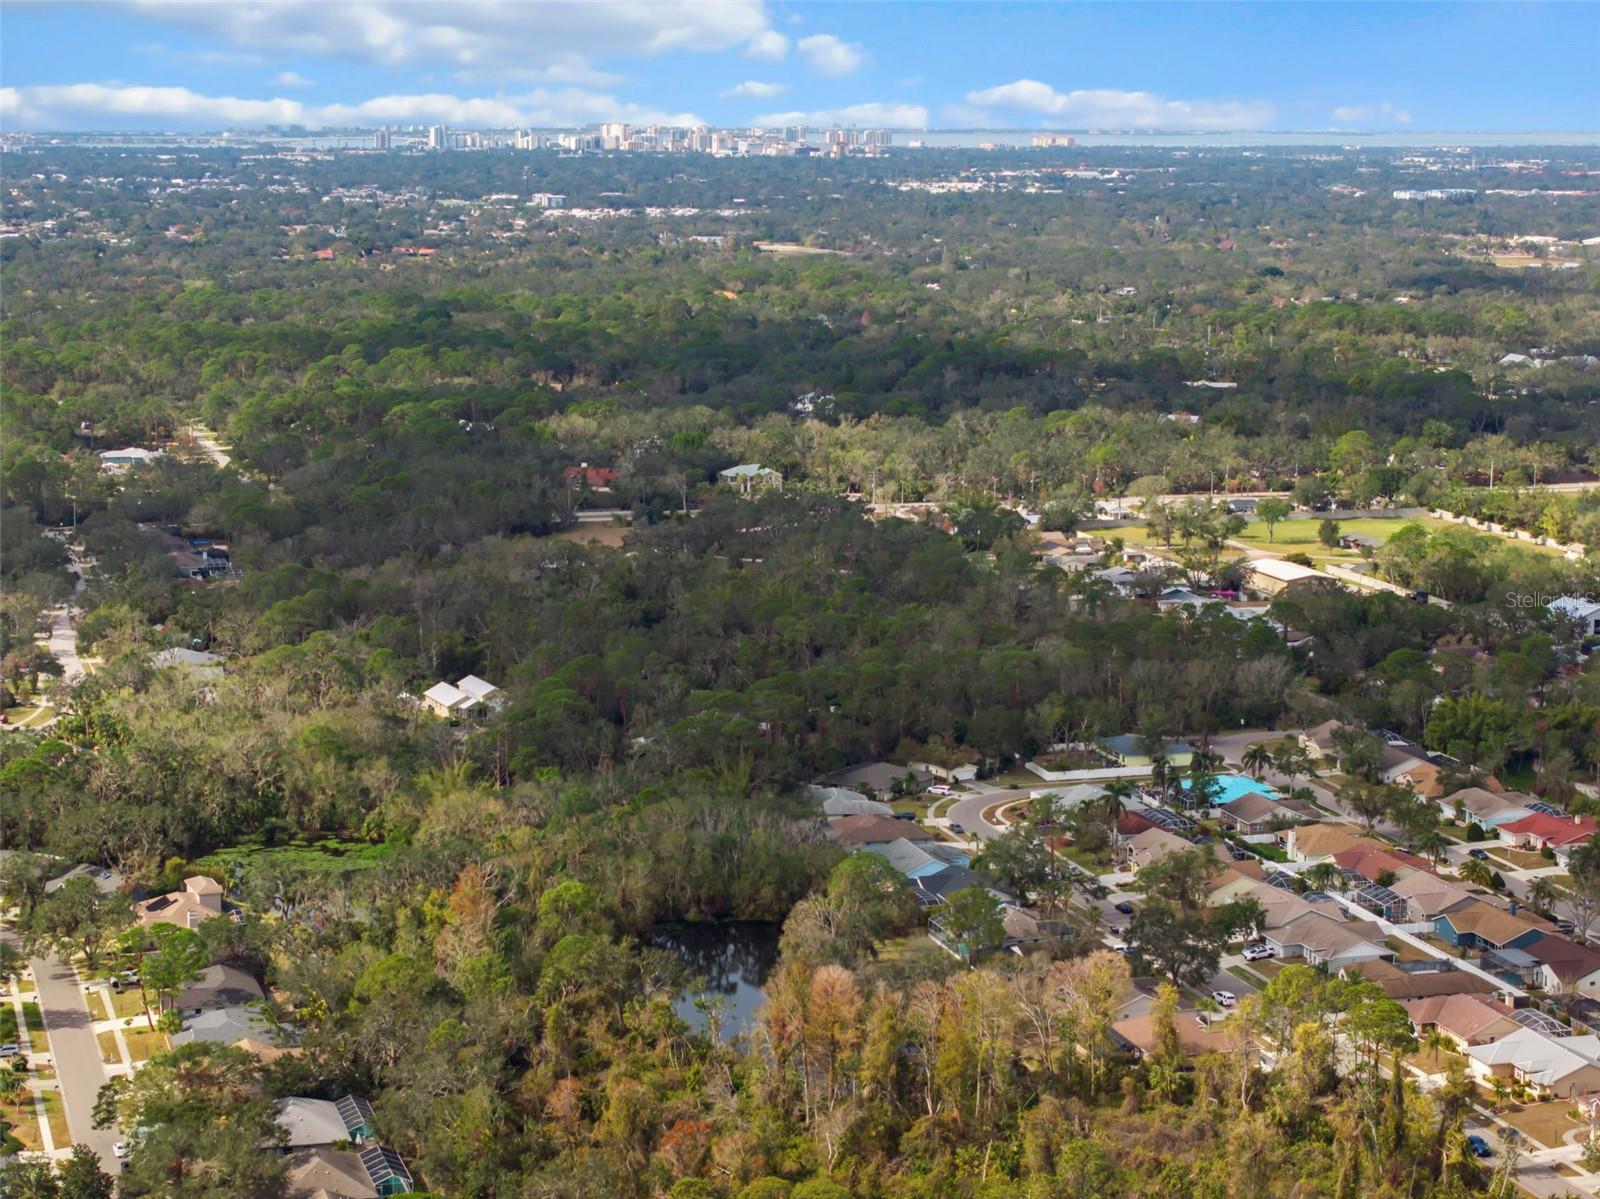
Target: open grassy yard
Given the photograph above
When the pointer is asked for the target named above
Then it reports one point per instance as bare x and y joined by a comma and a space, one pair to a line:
1545, 1122
1405, 951
591, 533
126, 1003
97, 1005
23, 1121
37, 1040
108, 1048
142, 1043
1435, 1061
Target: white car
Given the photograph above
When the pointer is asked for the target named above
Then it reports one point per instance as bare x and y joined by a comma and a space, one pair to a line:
1255, 953
940, 789
120, 1149
1118, 947
1225, 998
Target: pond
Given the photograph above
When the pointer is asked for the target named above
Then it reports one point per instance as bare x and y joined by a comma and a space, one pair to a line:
729, 960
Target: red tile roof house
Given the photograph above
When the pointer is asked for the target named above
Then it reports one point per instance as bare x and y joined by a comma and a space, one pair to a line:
1560, 833
595, 478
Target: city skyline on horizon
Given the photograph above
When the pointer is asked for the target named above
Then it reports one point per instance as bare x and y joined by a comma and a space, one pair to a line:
157, 65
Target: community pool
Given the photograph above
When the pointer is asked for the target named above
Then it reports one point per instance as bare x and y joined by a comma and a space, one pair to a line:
1231, 786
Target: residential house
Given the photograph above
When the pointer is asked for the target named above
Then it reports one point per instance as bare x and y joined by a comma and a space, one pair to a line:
854, 832
1423, 777
1428, 896
1197, 1034
1130, 750
445, 700
226, 1026
1432, 977
1565, 967
311, 1122
1490, 809
200, 900
1553, 1067
126, 458
842, 801
750, 477
1318, 741
960, 767
938, 886
1465, 1019
1479, 925
482, 692
1312, 843
1282, 907
1269, 576
881, 777
1151, 845
1372, 864
193, 662
595, 478
1582, 610
323, 1173
1253, 812
1397, 761
218, 987
1559, 834
1324, 941
916, 861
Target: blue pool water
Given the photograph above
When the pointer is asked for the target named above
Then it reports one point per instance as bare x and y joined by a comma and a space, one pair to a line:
1232, 786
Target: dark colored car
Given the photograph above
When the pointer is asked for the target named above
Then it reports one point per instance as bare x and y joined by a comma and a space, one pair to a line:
1125, 908
956, 828
1478, 1146
905, 815
1481, 854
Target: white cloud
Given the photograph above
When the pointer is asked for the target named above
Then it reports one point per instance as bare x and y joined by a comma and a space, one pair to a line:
829, 55
96, 105
506, 34
756, 90
209, 58
1123, 110
291, 79
1358, 114
769, 44
892, 116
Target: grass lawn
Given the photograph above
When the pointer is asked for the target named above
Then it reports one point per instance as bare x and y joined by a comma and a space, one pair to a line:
1405, 951
24, 1122
56, 1113
34, 1018
1545, 1122
1094, 863
594, 533
1524, 859
142, 1043
108, 1048
1435, 1061
1267, 850
125, 1003
97, 1006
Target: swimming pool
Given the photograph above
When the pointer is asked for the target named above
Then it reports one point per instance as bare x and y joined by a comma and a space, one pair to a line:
1231, 786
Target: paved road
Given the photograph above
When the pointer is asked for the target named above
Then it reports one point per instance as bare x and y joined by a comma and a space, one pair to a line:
968, 811
79, 1069
209, 444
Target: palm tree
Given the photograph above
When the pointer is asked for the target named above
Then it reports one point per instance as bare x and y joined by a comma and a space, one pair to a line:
1113, 802
1324, 876
1431, 843
1544, 893
1478, 872
1256, 759
1160, 774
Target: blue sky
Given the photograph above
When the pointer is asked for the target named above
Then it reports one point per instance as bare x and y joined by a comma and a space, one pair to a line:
177, 64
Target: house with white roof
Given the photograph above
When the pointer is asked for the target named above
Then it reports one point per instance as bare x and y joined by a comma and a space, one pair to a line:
127, 457
1581, 610
463, 698
1555, 1067
751, 476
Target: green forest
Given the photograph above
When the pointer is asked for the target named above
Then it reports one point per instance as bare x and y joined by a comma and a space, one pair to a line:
414, 377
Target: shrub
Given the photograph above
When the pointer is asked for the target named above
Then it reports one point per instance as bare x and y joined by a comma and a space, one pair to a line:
1475, 831
820, 1188
767, 1188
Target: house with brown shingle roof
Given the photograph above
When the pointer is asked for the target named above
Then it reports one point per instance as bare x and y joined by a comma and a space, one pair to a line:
1151, 845
872, 829
1253, 812
1465, 1019
1318, 740
1479, 925
1319, 842
1566, 967
1428, 896
200, 900
1417, 984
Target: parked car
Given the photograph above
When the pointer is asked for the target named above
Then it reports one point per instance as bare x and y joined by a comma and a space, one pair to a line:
120, 1149
1565, 926
1224, 998
1478, 1146
1118, 947
11, 1050
1481, 854
1256, 953
1125, 908
941, 789
956, 828
905, 815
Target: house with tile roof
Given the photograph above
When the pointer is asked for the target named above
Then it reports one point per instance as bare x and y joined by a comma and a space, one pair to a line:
199, 901
1313, 843
1559, 834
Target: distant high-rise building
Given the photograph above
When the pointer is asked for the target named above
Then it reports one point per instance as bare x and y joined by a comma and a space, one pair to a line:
438, 137
381, 140
612, 135
1054, 139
